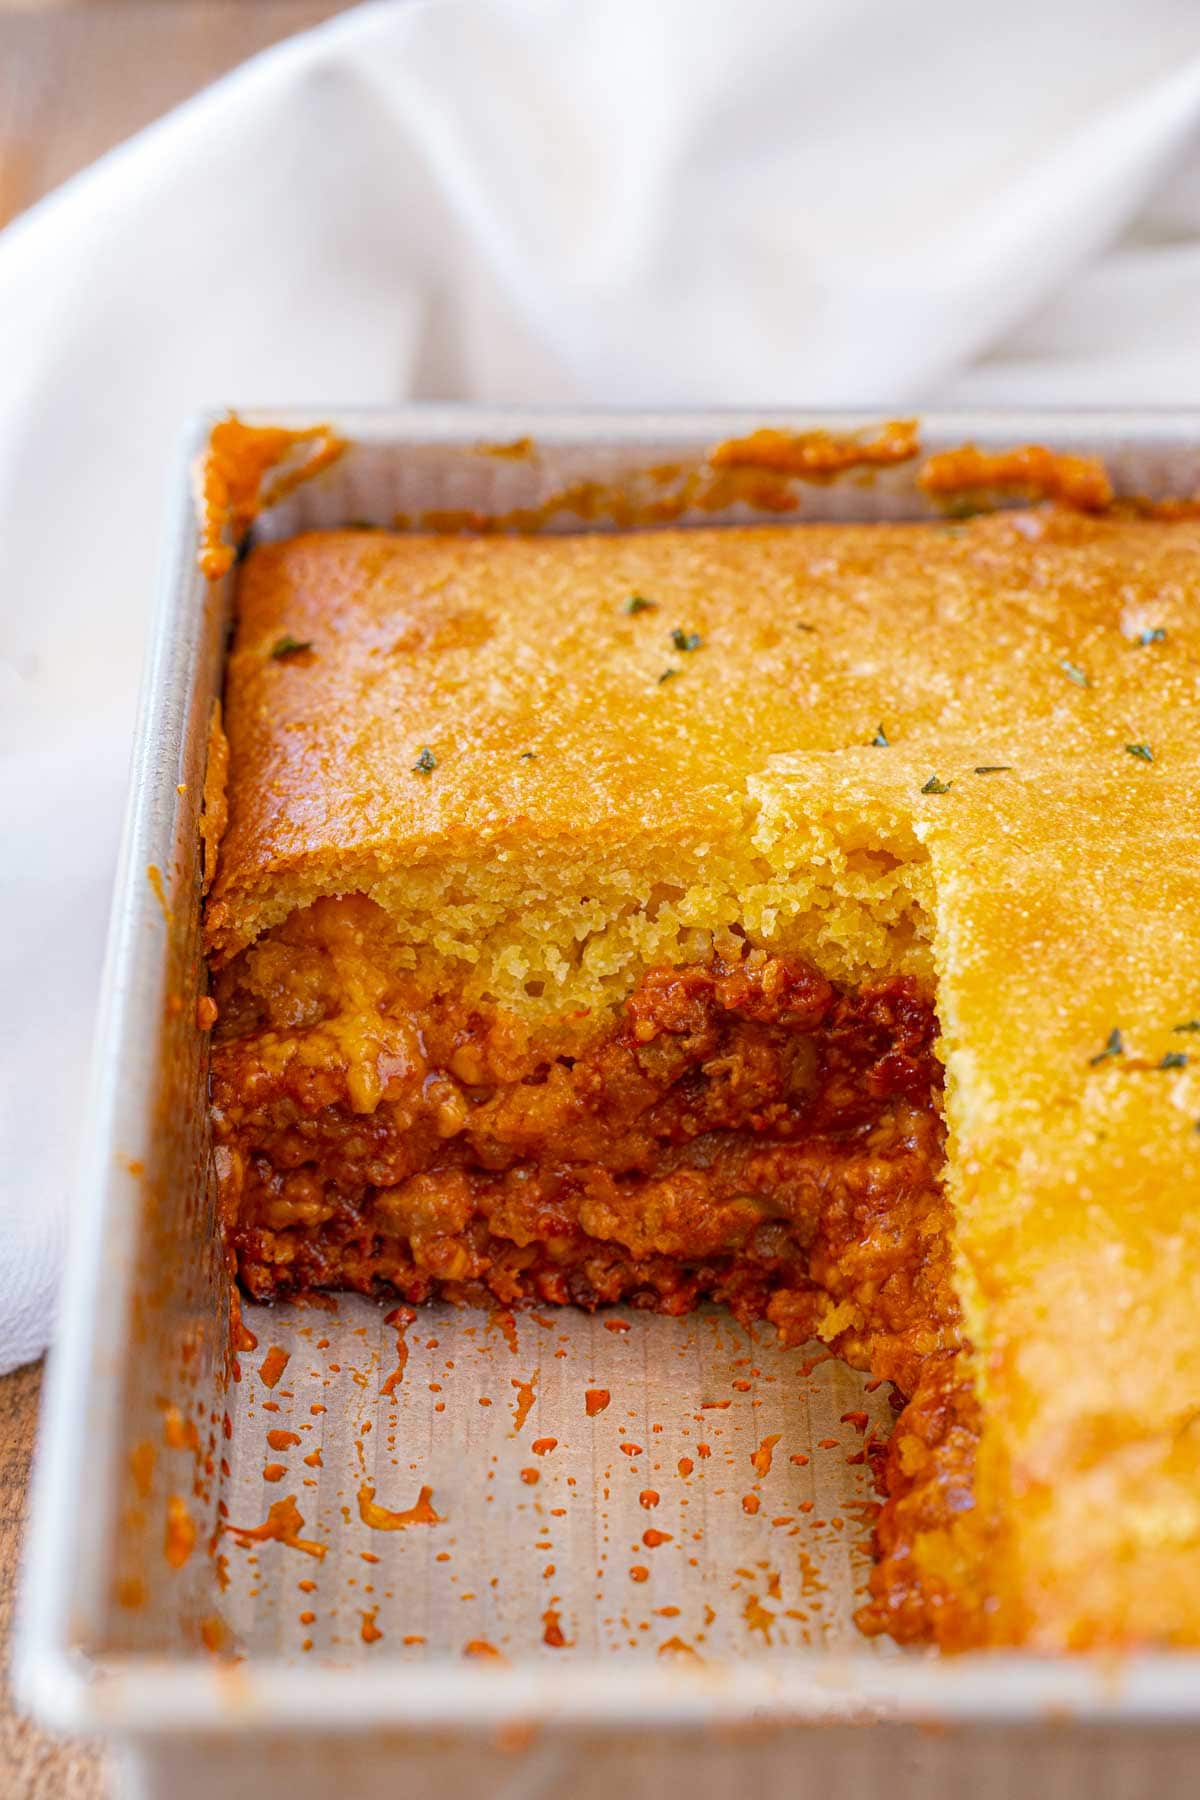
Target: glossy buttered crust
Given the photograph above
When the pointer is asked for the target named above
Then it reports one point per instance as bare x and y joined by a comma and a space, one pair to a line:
585, 818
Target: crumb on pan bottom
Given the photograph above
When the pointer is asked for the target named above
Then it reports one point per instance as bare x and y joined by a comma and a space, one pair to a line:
742, 1129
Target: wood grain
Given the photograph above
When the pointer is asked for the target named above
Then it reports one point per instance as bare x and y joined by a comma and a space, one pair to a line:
75, 80
32, 1765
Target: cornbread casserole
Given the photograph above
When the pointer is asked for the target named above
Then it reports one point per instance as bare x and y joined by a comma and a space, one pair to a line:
803, 917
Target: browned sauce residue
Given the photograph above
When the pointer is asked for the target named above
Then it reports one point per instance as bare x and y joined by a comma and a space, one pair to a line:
524, 1405
283, 1524
1030, 471
759, 471
596, 1399
130, 1591
401, 1317
154, 877
282, 1440
522, 449
141, 1464
180, 1539
274, 1471
272, 1365
476, 1647
675, 1646
542, 1446
501, 1319
179, 1433
370, 1632
758, 1617
381, 1518
206, 1012
761, 1458
818, 455
552, 1630
648, 1498
232, 480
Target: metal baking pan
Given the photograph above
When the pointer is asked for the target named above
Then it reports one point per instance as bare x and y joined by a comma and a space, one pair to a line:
527, 1634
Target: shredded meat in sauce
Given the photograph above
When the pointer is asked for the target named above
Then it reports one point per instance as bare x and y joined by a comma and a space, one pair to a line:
743, 1132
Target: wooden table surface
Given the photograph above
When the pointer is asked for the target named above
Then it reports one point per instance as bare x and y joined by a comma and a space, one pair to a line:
75, 79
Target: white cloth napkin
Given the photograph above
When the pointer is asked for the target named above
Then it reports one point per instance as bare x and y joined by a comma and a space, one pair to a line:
771, 202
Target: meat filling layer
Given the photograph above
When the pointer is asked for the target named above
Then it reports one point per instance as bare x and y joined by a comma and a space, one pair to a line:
743, 1131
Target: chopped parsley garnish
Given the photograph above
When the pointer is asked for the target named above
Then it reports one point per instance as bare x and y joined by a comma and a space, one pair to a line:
288, 645
1153, 634
637, 603
426, 762
1114, 1047
1188, 1025
666, 675
880, 740
1074, 673
527, 756
993, 768
934, 786
686, 640
1143, 752
1174, 1059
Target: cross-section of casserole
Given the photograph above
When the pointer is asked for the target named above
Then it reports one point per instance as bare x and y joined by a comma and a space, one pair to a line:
806, 917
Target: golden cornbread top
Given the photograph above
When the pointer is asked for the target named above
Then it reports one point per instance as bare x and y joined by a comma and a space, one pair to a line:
516, 694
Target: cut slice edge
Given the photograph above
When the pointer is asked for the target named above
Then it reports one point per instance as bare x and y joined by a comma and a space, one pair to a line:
1063, 1162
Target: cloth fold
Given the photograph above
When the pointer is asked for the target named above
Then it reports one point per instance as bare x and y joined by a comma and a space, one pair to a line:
762, 202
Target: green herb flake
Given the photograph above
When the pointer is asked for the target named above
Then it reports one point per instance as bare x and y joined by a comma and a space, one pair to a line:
686, 640
1114, 1047
1143, 752
666, 675
426, 762
638, 603
1174, 1059
993, 768
288, 645
964, 509
1188, 1025
934, 786
1074, 673
880, 740
1153, 634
